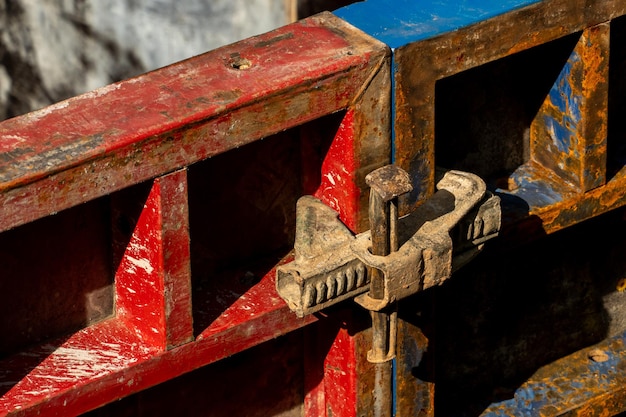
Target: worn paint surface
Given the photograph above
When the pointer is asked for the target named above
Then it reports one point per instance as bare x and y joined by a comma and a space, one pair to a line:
569, 133
331, 367
589, 382
228, 387
130, 135
63, 371
338, 187
153, 276
129, 132
540, 142
133, 142
398, 23
121, 361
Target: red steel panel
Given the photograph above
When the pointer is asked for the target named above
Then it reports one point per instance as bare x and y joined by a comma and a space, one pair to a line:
132, 141
338, 187
153, 278
331, 367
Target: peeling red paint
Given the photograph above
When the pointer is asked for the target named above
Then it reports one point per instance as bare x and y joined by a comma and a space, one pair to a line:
131, 143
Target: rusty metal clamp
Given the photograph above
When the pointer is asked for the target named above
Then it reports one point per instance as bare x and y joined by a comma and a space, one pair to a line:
426, 259
331, 264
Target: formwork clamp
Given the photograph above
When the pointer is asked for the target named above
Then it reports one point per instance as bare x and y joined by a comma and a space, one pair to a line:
331, 264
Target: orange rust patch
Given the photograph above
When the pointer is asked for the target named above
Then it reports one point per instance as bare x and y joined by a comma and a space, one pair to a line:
595, 59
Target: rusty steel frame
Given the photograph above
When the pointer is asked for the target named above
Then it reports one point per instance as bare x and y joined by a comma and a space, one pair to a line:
561, 178
575, 173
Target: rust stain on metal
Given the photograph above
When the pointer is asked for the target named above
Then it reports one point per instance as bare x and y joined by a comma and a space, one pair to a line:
271, 41
594, 54
225, 96
389, 182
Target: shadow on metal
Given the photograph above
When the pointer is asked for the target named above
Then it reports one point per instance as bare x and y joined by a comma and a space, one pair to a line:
242, 212
517, 309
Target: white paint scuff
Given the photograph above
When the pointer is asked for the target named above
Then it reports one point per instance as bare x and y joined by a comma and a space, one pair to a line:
141, 263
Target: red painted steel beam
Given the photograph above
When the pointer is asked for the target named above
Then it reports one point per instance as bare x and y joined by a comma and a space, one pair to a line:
129, 132
147, 131
109, 360
153, 277
332, 367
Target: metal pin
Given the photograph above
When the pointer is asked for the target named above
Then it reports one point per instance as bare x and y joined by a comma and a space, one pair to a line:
386, 184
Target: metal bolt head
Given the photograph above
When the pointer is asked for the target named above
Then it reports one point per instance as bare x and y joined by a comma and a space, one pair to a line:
389, 182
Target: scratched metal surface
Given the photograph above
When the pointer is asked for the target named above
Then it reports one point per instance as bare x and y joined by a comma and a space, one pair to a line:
398, 23
149, 145
565, 136
486, 313
526, 100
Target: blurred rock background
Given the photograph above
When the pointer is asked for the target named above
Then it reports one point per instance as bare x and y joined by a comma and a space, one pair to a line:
54, 49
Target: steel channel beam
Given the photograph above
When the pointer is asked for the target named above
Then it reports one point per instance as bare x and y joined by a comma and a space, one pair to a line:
129, 132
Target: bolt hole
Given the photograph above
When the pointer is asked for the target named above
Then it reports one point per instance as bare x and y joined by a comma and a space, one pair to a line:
239, 63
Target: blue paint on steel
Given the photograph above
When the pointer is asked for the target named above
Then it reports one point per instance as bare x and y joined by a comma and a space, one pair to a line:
561, 90
561, 94
562, 130
533, 192
558, 131
575, 100
398, 22
574, 382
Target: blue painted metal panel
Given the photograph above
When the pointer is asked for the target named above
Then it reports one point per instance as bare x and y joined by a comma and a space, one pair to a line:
398, 22
563, 129
572, 382
563, 133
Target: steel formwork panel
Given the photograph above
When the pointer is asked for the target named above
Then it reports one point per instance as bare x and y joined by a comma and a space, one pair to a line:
310, 108
145, 132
